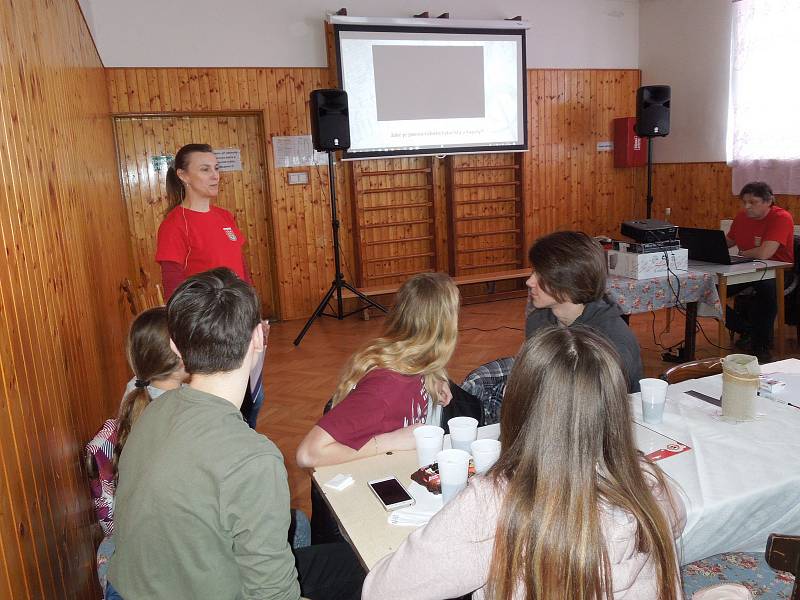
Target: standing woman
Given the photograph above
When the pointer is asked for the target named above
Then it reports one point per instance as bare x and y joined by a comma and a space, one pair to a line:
196, 236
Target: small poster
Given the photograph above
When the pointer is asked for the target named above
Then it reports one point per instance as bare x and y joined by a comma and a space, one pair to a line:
229, 159
296, 151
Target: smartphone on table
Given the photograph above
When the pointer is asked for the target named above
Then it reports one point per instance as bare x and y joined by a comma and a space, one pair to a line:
391, 493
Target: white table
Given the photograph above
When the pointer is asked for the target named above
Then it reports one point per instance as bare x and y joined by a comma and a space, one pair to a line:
747, 273
741, 481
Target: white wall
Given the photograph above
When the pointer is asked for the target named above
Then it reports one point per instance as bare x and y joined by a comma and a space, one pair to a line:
289, 33
686, 44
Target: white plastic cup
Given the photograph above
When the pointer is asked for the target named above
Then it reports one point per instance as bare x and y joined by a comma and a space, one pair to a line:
654, 397
463, 431
429, 440
485, 453
453, 472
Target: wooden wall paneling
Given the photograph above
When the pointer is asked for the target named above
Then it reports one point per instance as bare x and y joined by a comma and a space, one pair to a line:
62, 227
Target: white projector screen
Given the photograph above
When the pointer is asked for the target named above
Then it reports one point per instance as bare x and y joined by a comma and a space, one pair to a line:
432, 90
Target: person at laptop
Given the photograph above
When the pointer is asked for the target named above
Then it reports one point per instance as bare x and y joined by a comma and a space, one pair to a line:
762, 231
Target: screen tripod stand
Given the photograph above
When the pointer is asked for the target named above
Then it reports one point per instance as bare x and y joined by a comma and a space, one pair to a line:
339, 283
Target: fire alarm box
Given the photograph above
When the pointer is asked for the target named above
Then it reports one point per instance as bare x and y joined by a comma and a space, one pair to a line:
630, 150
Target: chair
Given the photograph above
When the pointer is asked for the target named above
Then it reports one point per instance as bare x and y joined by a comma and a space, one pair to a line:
144, 296
745, 568
783, 554
693, 370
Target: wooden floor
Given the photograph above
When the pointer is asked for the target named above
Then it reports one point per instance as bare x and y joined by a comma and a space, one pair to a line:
300, 380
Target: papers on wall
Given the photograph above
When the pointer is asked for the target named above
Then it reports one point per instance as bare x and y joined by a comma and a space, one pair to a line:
296, 151
229, 159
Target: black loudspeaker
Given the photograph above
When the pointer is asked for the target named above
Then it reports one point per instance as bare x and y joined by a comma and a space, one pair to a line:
330, 120
652, 110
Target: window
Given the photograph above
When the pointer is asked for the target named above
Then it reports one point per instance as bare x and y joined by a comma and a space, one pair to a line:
764, 102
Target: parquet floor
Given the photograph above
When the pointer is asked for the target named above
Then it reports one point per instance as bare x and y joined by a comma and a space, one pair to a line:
299, 380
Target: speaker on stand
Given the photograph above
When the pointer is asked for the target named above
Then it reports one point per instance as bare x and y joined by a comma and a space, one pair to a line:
330, 131
652, 120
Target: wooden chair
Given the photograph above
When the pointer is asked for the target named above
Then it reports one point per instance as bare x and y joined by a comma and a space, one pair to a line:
693, 370
144, 296
783, 554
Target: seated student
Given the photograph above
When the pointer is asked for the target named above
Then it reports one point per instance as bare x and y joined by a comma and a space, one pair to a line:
387, 387
762, 231
568, 286
156, 369
202, 506
569, 511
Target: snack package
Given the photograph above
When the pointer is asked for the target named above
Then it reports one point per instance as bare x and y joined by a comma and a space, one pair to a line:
428, 477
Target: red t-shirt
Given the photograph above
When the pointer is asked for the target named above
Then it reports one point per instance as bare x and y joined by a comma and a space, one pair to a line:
383, 401
777, 226
199, 241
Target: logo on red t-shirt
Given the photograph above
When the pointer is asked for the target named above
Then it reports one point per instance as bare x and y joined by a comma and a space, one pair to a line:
229, 232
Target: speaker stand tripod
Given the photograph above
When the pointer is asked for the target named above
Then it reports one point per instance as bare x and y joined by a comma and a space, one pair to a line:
649, 177
339, 283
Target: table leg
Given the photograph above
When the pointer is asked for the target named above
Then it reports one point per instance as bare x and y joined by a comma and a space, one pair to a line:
781, 318
690, 332
723, 302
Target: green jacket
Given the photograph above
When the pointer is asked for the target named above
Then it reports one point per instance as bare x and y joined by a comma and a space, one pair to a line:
202, 506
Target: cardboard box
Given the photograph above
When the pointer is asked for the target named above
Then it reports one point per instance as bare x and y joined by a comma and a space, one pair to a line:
645, 266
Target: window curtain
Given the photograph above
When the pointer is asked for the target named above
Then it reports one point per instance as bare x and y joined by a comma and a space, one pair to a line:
764, 102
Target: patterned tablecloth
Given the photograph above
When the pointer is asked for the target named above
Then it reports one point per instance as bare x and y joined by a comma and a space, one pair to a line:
643, 295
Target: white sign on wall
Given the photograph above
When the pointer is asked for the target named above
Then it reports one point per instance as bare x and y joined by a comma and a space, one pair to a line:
296, 151
229, 159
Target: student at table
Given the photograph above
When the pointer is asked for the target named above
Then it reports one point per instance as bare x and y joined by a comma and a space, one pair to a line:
570, 510
197, 235
762, 231
568, 287
156, 369
388, 386
202, 506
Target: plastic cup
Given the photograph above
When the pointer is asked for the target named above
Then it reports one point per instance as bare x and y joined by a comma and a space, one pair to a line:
429, 440
463, 431
485, 453
453, 472
654, 397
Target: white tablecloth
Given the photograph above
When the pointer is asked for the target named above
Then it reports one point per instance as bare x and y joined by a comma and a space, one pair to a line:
741, 480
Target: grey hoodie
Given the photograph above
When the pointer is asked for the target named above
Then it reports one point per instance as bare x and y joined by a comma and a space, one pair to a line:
605, 317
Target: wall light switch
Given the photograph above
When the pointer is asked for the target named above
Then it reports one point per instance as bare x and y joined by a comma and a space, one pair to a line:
298, 178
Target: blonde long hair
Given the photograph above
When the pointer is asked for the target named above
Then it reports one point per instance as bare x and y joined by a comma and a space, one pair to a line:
568, 448
419, 338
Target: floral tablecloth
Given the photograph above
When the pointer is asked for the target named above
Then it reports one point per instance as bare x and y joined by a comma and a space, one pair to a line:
643, 295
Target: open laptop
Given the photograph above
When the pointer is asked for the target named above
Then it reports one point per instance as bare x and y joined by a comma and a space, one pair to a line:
708, 245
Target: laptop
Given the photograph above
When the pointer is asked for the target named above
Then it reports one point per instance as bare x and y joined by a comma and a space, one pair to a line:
708, 245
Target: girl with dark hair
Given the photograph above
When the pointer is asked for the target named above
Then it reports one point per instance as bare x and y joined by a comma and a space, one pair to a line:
571, 511
156, 369
196, 236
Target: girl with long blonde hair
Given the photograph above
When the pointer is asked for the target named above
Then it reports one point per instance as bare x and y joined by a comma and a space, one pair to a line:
571, 511
387, 386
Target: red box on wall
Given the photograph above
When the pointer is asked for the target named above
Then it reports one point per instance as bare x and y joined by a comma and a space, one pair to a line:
630, 150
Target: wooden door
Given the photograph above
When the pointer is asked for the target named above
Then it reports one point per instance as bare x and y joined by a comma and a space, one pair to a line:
146, 145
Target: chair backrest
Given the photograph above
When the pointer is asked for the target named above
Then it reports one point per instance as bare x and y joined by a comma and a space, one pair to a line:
783, 554
693, 370
143, 296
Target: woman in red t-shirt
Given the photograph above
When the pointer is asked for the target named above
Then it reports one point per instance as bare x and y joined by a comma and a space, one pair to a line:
196, 236
385, 390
